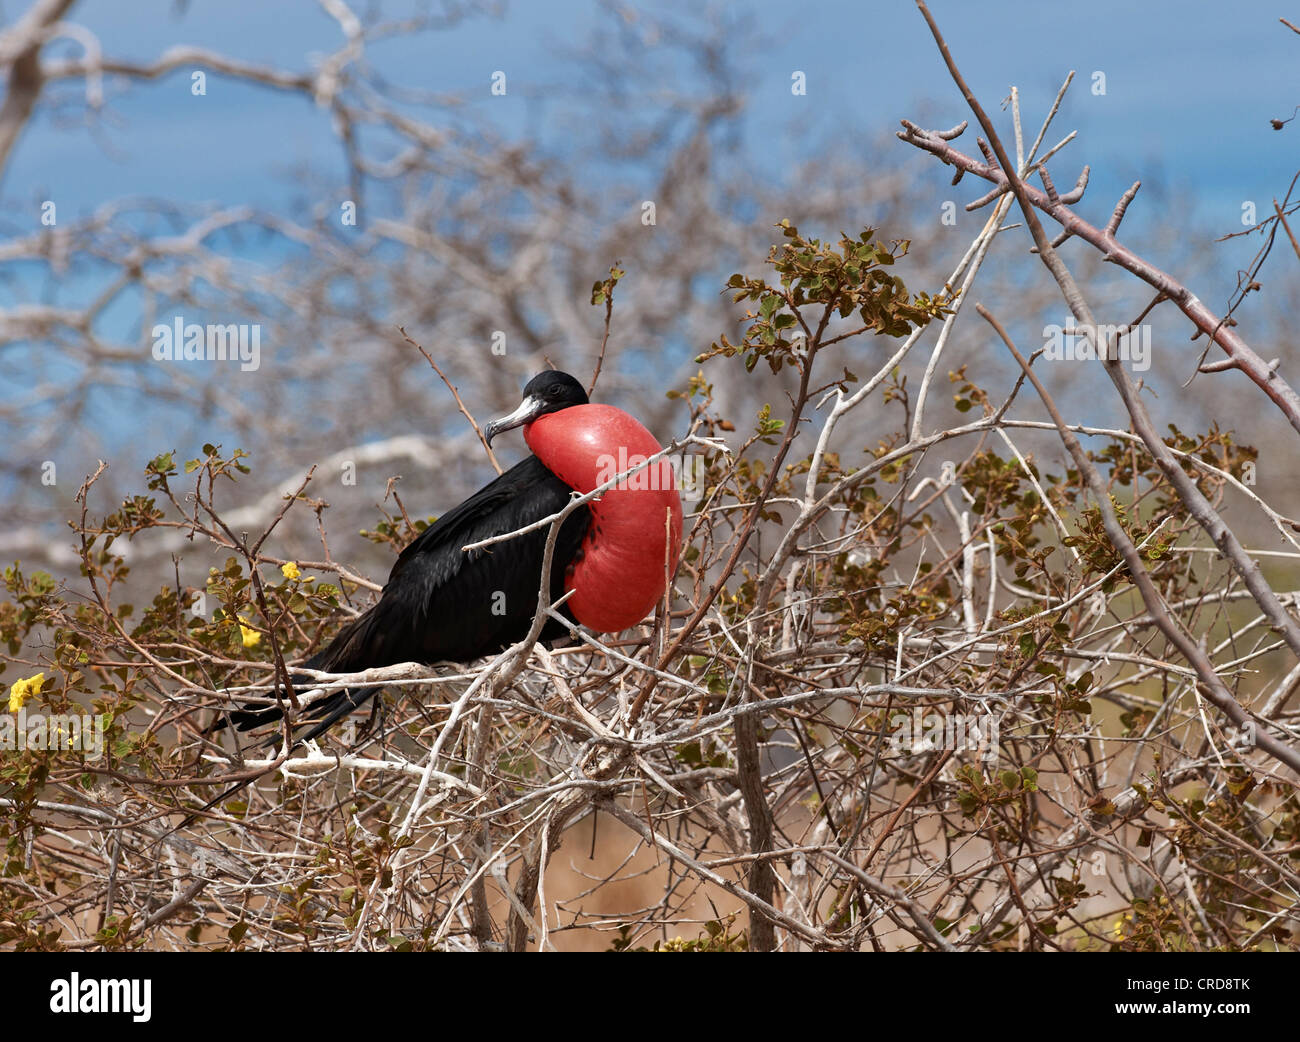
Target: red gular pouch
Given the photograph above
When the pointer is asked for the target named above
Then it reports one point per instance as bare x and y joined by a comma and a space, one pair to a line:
635, 536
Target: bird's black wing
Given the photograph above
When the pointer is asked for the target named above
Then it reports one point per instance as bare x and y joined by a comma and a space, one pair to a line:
441, 603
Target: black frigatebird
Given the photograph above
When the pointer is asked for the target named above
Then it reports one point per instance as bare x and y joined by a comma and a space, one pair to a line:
442, 603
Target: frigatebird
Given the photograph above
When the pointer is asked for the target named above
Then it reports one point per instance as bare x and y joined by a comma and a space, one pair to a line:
443, 603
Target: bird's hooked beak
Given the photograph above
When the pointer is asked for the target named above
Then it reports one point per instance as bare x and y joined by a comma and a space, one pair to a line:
529, 410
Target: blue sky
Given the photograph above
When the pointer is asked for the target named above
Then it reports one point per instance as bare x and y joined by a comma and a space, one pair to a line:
1189, 89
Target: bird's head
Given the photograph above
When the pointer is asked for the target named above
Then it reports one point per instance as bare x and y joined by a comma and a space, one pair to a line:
546, 392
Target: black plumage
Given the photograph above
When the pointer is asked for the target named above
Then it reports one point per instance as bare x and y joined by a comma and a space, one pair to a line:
443, 604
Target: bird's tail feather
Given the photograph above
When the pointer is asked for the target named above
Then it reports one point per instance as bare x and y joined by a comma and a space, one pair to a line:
358, 646
351, 651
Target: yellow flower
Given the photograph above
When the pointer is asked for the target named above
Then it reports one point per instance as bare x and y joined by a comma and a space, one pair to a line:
290, 570
22, 690
250, 636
